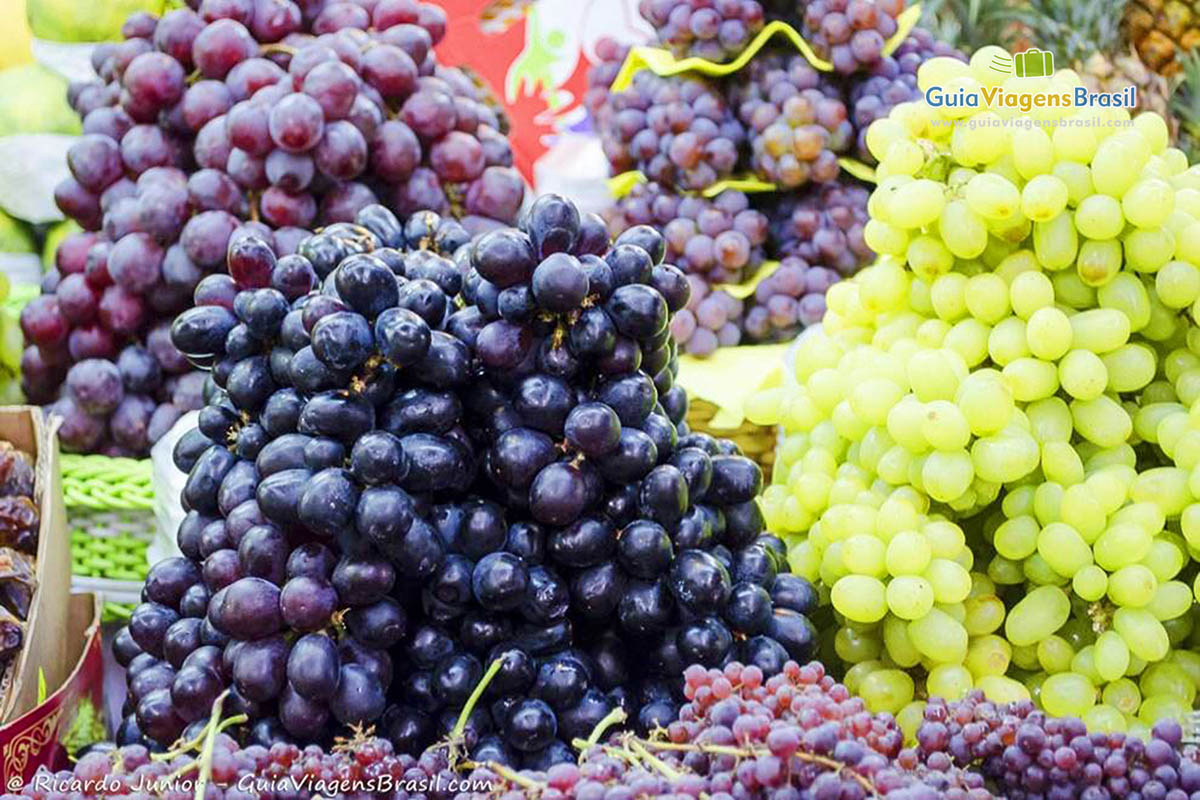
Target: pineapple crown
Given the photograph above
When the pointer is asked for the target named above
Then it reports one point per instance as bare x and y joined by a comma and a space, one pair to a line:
1075, 29
1185, 103
971, 24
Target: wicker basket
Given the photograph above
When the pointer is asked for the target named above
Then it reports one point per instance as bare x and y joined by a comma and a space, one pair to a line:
110, 513
756, 441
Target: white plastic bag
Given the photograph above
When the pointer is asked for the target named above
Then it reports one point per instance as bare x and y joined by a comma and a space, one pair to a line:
168, 484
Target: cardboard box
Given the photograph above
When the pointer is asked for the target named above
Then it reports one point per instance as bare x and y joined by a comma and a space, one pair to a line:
45, 651
70, 715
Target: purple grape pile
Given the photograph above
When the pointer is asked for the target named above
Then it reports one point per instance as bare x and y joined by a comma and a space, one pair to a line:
850, 34
610, 55
823, 226
361, 767
425, 454
679, 131
721, 240
787, 301
795, 118
816, 233
795, 734
891, 81
796, 124
739, 734
716, 31
1035, 756
287, 114
714, 241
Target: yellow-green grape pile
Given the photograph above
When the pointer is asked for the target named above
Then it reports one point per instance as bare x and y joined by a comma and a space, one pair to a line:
991, 459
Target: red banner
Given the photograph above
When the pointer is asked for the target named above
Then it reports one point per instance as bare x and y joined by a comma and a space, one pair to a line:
535, 56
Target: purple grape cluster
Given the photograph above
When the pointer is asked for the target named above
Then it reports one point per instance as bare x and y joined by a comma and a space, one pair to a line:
713, 318
288, 114
677, 130
795, 119
850, 34
823, 226
797, 734
426, 454
1032, 755
715, 241
716, 30
891, 81
787, 301
600, 75
721, 240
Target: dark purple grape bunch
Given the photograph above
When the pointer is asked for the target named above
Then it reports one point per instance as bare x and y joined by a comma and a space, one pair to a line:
677, 130
1032, 755
720, 240
716, 31
654, 529
795, 119
610, 55
416, 465
851, 34
332, 430
824, 226
892, 81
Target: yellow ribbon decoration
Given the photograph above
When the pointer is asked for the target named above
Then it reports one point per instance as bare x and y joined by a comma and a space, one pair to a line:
743, 290
621, 185
662, 62
730, 376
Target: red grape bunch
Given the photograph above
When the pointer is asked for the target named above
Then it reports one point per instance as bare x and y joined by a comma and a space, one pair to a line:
717, 30
679, 131
795, 120
850, 34
282, 113
891, 81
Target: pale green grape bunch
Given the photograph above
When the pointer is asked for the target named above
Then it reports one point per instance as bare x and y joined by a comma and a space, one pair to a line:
990, 459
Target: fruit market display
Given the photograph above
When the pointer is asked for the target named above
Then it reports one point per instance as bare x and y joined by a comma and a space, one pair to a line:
231, 120
429, 454
740, 734
19, 522
779, 119
987, 462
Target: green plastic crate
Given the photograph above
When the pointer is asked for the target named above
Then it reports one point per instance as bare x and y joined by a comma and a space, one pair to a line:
110, 515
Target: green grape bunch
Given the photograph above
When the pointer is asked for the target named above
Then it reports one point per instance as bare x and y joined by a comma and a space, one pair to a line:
991, 449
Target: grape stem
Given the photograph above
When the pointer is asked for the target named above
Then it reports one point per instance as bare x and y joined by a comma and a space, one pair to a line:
473, 700
754, 752
653, 760
455, 738
614, 717
513, 776
210, 742
276, 47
